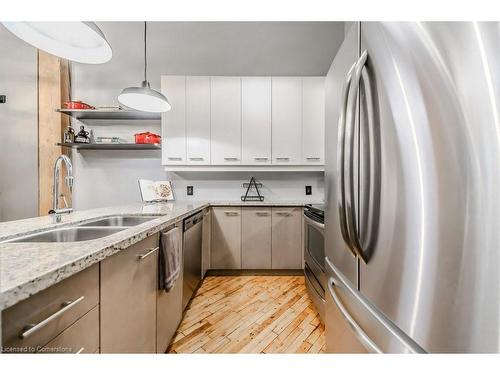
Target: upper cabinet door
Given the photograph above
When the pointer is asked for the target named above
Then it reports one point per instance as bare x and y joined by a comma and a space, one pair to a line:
226, 120
313, 120
173, 122
287, 120
198, 120
256, 120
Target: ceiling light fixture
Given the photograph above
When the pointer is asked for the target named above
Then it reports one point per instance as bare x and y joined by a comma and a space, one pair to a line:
144, 98
82, 42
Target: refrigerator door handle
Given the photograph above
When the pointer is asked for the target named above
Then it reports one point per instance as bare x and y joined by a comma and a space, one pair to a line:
341, 159
363, 337
352, 99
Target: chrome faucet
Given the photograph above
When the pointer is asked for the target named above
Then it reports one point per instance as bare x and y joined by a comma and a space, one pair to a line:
55, 188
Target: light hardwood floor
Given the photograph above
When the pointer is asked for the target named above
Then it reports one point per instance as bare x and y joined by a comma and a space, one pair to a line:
250, 314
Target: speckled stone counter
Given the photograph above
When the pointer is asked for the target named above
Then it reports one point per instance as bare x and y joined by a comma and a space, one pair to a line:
27, 268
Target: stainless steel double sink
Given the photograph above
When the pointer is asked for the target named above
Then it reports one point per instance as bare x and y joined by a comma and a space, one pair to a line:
86, 231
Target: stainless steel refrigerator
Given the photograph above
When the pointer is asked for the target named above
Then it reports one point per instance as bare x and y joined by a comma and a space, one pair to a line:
413, 189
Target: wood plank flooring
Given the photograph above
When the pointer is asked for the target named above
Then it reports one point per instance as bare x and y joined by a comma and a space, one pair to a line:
250, 314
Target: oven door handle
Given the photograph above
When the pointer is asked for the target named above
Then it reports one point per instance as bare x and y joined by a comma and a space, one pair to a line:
310, 221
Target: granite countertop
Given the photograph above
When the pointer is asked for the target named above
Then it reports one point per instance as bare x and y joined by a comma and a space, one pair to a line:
27, 268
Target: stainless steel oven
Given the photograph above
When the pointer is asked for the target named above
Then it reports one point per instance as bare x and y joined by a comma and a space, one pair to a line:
314, 255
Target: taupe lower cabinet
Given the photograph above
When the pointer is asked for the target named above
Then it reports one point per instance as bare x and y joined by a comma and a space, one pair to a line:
226, 238
287, 238
169, 309
128, 299
36, 321
255, 238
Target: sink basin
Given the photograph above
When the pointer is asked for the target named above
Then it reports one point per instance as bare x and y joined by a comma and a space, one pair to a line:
119, 221
68, 234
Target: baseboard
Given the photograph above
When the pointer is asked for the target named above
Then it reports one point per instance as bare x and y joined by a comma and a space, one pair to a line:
254, 273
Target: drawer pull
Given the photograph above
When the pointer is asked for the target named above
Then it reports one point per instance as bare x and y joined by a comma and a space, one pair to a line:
80, 351
283, 213
145, 255
313, 159
196, 159
231, 159
32, 328
262, 213
231, 213
261, 159
283, 159
175, 158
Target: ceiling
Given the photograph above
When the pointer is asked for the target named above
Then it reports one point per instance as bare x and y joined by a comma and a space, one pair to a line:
208, 48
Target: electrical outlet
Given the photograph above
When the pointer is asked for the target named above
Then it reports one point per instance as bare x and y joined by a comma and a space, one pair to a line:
308, 190
3, 99
189, 190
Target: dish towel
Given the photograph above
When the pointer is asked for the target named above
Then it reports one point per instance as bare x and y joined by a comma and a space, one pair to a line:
169, 261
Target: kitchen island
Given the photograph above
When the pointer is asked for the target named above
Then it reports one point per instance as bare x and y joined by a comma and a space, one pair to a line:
34, 270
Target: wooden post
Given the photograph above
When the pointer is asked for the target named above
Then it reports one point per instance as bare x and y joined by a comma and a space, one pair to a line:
53, 90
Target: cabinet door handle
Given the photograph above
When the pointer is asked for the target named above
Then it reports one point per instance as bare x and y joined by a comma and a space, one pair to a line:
283, 159
32, 328
231, 213
196, 159
313, 159
231, 159
145, 255
283, 213
262, 213
261, 159
80, 351
174, 158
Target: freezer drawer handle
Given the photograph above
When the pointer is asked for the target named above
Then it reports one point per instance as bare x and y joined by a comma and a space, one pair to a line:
32, 328
367, 342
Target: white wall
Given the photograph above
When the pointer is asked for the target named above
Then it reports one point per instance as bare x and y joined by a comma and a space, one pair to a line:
18, 129
191, 48
214, 186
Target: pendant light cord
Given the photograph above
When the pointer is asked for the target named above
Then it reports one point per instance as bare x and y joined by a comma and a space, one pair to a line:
145, 51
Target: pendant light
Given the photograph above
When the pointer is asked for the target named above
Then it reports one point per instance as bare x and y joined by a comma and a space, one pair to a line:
144, 98
82, 42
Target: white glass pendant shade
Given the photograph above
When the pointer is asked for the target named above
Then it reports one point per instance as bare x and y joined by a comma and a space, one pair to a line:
144, 99
82, 42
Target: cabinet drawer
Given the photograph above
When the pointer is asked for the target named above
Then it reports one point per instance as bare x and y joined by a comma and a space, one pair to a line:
37, 320
81, 337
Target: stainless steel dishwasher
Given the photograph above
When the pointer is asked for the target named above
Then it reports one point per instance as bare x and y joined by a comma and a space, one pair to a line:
192, 241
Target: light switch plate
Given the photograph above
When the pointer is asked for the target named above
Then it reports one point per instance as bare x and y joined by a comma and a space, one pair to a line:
3, 98
308, 190
189, 190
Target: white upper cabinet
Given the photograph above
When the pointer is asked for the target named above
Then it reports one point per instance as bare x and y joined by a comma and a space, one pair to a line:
198, 120
313, 120
173, 122
226, 120
244, 121
287, 120
256, 120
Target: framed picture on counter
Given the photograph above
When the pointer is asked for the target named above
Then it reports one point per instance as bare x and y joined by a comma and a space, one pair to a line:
156, 191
